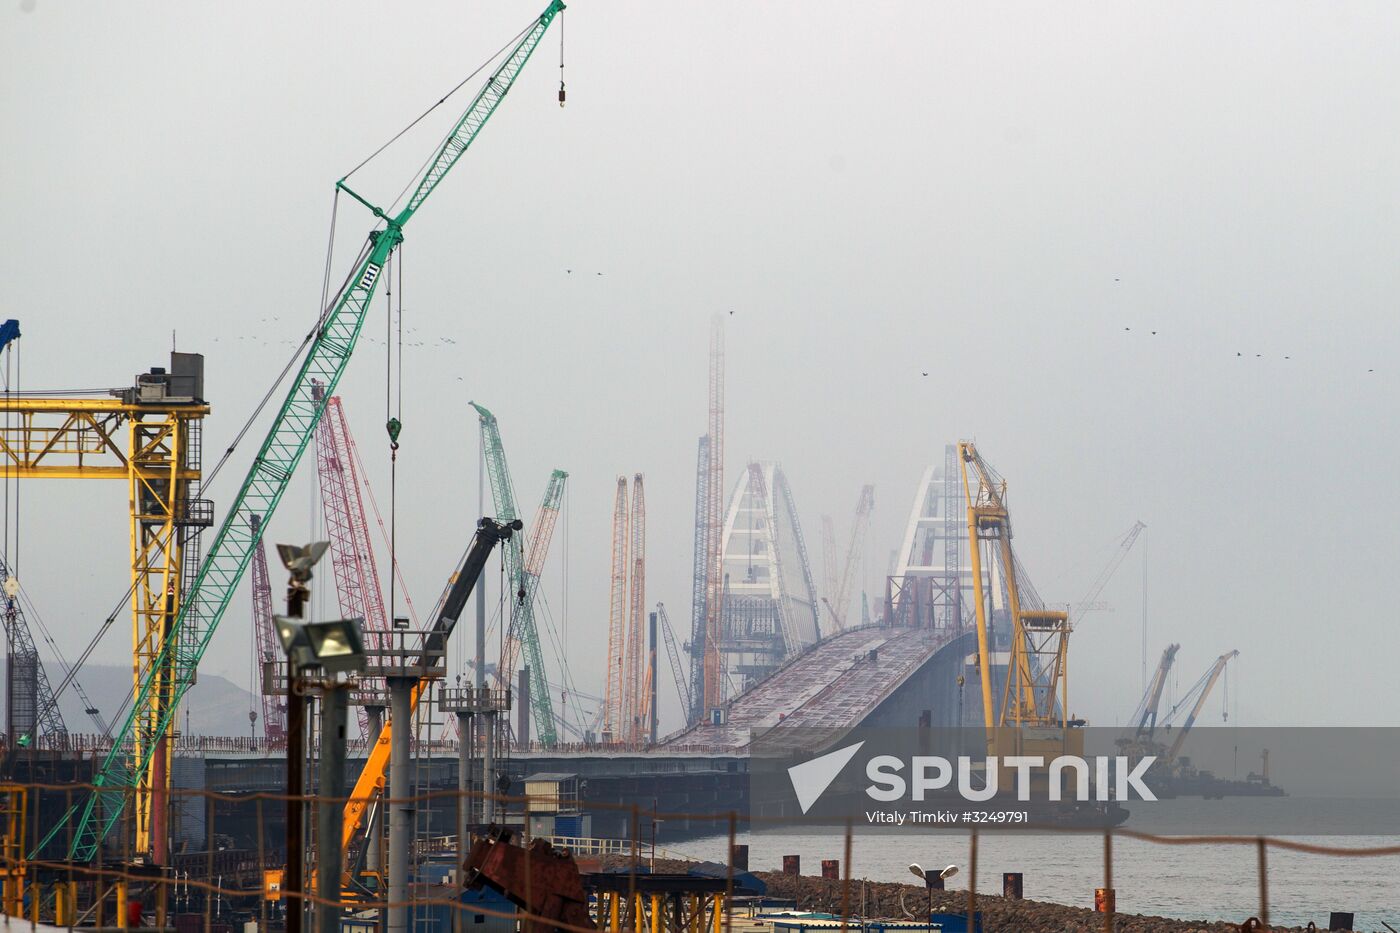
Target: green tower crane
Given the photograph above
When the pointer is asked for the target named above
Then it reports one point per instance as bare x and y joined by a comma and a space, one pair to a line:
232, 550
523, 568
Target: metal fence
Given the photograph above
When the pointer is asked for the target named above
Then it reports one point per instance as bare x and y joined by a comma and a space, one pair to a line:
222, 885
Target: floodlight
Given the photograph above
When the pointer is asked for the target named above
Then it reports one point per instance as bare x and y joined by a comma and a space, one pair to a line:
332, 646
295, 643
948, 872
337, 646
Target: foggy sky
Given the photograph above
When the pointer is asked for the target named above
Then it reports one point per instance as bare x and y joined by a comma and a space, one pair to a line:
991, 194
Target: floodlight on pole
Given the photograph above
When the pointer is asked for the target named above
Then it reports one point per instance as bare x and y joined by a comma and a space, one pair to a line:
334, 647
300, 655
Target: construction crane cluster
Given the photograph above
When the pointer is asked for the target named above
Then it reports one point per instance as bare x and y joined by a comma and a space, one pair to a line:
149, 437
1146, 722
521, 635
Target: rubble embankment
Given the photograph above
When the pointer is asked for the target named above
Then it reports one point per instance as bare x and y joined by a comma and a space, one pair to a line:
905, 901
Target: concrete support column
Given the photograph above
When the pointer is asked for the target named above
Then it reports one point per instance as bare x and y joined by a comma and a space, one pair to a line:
401, 811
522, 709
330, 814
488, 768
464, 786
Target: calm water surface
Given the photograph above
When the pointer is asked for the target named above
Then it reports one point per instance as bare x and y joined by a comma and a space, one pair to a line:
1211, 882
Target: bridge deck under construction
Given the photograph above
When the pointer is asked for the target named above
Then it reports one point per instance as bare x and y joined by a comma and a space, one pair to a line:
834, 685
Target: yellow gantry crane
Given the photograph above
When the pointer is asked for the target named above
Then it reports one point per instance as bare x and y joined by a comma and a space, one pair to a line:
1032, 716
149, 436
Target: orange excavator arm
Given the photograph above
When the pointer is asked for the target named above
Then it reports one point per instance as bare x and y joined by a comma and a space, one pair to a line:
369, 787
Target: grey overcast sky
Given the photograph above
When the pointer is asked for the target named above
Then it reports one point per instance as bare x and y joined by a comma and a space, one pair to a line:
992, 193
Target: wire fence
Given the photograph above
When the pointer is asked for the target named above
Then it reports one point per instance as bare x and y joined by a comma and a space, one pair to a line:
226, 880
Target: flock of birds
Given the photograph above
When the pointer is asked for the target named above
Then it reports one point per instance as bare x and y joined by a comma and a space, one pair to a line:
449, 341
1238, 353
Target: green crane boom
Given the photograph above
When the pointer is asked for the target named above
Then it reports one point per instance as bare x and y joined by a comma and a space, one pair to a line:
523, 573
541, 704
272, 469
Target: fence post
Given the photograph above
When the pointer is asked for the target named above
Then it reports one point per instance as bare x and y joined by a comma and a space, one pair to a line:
972, 883
1263, 845
846, 880
1110, 903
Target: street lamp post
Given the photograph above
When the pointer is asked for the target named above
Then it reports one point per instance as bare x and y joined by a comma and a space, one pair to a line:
933, 880
331, 648
298, 562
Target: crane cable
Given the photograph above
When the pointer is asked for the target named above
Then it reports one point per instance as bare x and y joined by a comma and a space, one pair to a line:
418, 119
561, 59
393, 408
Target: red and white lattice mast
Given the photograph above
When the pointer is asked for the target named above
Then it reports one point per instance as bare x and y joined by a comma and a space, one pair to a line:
352, 557
274, 710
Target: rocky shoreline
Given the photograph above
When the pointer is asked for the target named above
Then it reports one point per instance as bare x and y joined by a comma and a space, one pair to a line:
897, 901
907, 901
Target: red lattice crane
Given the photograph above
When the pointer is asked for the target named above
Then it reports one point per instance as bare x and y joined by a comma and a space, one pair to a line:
352, 556
274, 711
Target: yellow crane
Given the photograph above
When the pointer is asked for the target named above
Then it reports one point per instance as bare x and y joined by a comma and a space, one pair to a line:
148, 436
1032, 717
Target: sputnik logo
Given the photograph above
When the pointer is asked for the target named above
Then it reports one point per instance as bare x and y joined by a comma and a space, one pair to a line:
811, 778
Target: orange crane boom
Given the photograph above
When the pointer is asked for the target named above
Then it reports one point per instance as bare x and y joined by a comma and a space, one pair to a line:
636, 673
614, 692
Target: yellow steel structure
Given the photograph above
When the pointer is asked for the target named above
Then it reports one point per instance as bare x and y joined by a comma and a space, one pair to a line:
14, 818
154, 446
1035, 698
